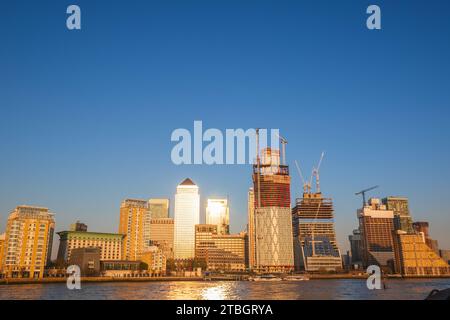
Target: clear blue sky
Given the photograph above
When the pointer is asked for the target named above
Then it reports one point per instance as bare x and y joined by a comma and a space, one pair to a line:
86, 116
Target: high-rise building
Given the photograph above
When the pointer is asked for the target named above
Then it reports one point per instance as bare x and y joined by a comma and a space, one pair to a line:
315, 243
187, 215
402, 217
28, 242
109, 244
221, 252
218, 213
251, 229
2, 250
414, 258
161, 235
273, 220
355, 240
424, 227
376, 224
159, 208
78, 226
135, 225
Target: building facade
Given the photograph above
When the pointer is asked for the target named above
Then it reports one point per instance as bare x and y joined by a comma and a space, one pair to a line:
187, 215
220, 252
109, 244
161, 235
155, 260
218, 213
28, 242
402, 217
87, 259
2, 250
78, 226
424, 227
413, 257
355, 240
273, 219
376, 224
135, 225
251, 229
445, 255
315, 242
159, 208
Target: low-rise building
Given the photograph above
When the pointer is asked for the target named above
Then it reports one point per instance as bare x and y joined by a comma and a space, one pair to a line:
155, 260
221, 252
110, 244
121, 268
88, 259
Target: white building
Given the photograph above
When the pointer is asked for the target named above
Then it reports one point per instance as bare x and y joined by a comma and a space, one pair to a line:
218, 213
187, 215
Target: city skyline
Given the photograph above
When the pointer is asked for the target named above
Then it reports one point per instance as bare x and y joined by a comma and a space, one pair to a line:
377, 103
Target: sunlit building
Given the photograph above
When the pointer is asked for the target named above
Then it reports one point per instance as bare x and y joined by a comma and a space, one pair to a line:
218, 213
424, 227
251, 229
273, 220
135, 225
159, 208
315, 243
161, 235
78, 226
28, 242
2, 247
376, 224
413, 257
187, 215
220, 252
109, 244
155, 260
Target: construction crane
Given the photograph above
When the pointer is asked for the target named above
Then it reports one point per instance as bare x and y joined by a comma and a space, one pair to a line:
306, 185
283, 148
363, 193
315, 173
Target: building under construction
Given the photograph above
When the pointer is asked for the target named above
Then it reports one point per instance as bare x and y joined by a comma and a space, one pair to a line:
271, 223
315, 245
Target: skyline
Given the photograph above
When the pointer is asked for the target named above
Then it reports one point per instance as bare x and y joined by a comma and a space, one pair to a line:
86, 119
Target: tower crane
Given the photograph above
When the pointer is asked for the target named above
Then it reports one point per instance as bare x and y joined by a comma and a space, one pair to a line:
363, 193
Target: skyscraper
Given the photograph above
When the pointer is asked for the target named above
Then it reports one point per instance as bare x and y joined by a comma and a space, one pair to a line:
161, 235
377, 225
135, 225
159, 208
218, 213
355, 240
251, 229
28, 242
273, 220
187, 215
315, 243
402, 217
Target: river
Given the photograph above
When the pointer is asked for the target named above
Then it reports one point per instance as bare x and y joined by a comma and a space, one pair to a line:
228, 290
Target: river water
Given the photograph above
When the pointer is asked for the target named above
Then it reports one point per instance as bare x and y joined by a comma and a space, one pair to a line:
224, 290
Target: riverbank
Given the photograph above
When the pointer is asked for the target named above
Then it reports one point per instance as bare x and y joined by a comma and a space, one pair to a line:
15, 281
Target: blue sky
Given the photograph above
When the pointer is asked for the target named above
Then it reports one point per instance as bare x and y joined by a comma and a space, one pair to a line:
86, 116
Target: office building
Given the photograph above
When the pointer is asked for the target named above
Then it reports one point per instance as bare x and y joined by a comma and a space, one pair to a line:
155, 260
218, 213
376, 223
135, 225
87, 259
161, 235
424, 227
78, 226
187, 215
251, 229
28, 242
402, 217
315, 243
159, 208
109, 244
2, 250
355, 240
273, 220
220, 252
413, 257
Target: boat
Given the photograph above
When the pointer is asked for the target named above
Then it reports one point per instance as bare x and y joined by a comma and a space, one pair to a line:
296, 278
265, 277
